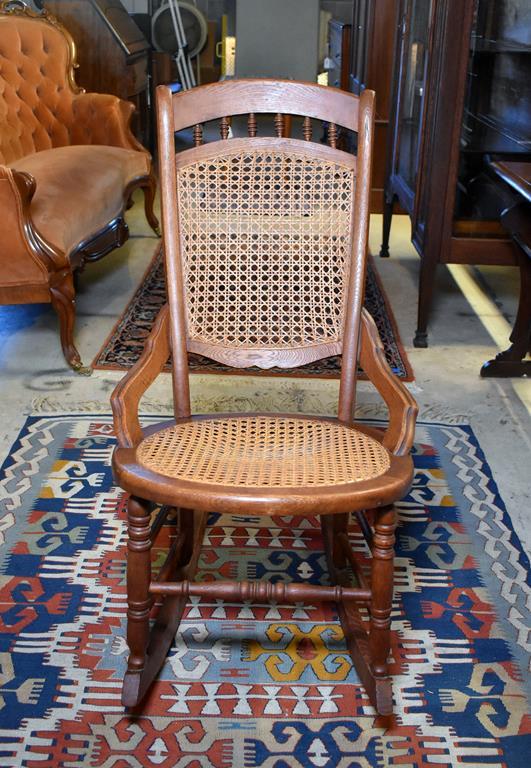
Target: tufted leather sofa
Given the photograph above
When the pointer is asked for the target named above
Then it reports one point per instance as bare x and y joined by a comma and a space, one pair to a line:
68, 167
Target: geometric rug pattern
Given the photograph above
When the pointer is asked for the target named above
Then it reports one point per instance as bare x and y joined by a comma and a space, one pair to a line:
126, 341
257, 685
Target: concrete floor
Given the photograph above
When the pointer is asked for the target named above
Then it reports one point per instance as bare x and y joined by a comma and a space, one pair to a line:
33, 375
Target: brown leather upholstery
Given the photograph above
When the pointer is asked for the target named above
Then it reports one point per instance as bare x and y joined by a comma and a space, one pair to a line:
68, 165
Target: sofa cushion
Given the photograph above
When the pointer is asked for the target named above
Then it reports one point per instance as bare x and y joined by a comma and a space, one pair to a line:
79, 189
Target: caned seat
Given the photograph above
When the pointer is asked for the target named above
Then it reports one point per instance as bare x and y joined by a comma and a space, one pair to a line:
265, 244
264, 451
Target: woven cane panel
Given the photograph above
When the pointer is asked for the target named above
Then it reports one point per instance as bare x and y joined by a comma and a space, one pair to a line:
265, 242
263, 452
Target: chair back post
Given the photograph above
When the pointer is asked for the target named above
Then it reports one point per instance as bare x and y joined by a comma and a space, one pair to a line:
171, 244
356, 288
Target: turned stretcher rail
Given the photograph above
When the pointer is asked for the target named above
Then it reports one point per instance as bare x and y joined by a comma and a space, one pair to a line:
259, 591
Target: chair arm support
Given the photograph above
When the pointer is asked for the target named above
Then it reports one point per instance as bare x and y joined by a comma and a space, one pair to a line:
403, 408
100, 118
126, 396
25, 257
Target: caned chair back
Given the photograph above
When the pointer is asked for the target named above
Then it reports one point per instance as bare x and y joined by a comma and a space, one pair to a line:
265, 238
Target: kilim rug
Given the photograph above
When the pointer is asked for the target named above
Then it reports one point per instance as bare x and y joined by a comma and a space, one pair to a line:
257, 685
126, 341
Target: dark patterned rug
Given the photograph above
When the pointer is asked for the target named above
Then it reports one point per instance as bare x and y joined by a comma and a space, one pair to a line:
126, 340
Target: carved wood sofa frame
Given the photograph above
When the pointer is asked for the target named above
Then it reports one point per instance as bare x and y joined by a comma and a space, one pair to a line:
367, 629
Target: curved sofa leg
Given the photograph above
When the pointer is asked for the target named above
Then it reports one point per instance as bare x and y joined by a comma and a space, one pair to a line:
63, 301
149, 187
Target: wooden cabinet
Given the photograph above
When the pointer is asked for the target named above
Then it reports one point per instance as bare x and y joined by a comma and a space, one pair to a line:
339, 54
112, 52
371, 66
461, 95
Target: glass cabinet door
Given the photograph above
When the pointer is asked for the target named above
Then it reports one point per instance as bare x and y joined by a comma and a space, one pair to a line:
415, 32
497, 110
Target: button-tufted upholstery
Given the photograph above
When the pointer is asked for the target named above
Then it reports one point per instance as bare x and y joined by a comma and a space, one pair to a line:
68, 165
36, 102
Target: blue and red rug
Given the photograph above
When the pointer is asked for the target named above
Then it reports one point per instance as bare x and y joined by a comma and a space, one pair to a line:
249, 686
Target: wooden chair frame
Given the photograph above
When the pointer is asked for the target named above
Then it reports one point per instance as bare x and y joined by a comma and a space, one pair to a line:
371, 500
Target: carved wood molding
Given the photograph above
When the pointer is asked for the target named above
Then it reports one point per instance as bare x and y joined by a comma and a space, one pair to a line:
51, 257
112, 236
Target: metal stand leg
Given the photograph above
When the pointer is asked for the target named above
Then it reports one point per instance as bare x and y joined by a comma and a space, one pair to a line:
182, 59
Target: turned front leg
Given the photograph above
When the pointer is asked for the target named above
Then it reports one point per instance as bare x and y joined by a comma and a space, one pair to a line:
138, 579
332, 527
382, 589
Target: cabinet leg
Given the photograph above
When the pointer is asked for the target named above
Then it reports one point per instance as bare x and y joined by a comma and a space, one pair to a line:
388, 210
426, 288
510, 362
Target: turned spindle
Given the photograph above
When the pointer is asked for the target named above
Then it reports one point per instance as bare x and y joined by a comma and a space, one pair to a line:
198, 135
259, 591
332, 135
251, 124
224, 126
307, 129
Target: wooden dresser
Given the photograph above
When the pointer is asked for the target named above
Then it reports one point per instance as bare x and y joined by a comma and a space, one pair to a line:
112, 52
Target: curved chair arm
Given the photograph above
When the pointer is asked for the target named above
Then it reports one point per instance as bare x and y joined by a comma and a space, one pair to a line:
403, 408
100, 118
126, 396
27, 257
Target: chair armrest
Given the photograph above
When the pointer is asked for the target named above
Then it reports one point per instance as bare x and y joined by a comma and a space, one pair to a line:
403, 408
26, 258
100, 118
126, 396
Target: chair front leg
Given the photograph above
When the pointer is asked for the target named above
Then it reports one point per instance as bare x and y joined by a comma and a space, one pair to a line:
138, 580
332, 527
382, 589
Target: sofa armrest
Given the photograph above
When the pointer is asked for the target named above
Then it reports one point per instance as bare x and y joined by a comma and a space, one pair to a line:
100, 118
127, 394
402, 406
25, 258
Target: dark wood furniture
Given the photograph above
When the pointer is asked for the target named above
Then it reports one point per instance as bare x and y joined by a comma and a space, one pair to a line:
294, 298
516, 219
69, 165
339, 53
462, 93
113, 53
339, 73
373, 32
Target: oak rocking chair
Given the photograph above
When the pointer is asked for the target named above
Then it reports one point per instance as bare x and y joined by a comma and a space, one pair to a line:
265, 243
